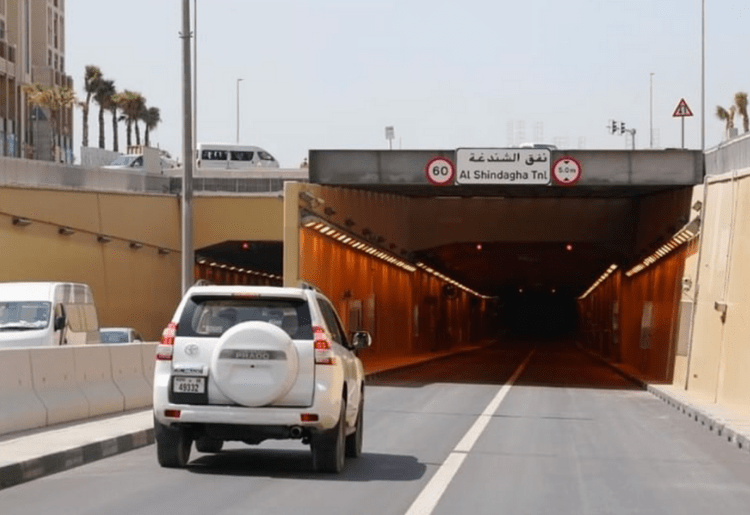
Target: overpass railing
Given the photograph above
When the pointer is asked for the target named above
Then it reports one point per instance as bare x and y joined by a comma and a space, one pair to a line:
729, 156
44, 174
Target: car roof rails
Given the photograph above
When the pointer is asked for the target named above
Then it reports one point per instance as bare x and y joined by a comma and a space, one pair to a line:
203, 282
308, 286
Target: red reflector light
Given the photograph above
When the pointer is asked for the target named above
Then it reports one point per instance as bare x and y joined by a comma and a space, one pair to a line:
172, 413
308, 417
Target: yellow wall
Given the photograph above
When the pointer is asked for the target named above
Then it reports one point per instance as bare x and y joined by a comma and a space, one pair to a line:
132, 287
224, 218
720, 359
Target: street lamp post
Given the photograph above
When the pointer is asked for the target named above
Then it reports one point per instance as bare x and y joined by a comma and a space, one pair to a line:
238, 110
188, 253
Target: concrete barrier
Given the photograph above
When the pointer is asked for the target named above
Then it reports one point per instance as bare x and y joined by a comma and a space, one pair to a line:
54, 379
20, 407
94, 376
148, 351
127, 373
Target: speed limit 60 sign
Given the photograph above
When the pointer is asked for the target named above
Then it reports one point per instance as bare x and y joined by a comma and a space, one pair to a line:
440, 171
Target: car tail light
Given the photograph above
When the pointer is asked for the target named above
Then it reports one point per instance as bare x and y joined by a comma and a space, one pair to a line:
323, 351
172, 413
165, 349
308, 417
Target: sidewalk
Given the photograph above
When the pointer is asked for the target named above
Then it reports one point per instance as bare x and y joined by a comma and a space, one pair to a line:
35, 453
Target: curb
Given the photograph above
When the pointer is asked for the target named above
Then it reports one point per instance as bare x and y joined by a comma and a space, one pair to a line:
17, 473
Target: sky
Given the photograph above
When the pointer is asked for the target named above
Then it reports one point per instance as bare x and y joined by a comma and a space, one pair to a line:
333, 74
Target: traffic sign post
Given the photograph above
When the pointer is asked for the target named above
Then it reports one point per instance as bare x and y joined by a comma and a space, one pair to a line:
440, 171
682, 111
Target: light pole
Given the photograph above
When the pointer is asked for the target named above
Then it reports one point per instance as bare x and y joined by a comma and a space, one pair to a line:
703, 75
188, 253
651, 111
238, 110
195, 79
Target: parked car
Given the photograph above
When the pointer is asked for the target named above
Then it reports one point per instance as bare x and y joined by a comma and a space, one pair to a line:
119, 335
251, 363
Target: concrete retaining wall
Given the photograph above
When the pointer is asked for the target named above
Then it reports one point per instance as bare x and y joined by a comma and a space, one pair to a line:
45, 386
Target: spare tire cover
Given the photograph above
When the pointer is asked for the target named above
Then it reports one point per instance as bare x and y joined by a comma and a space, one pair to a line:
254, 363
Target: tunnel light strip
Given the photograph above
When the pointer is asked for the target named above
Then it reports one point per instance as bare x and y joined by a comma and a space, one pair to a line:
609, 271
354, 242
351, 240
450, 281
683, 236
224, 266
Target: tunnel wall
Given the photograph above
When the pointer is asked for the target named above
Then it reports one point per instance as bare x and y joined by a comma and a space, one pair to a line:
632, 321
406, 312
132, 287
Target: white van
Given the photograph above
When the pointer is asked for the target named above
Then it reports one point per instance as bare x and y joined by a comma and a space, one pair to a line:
218, 156
43, 314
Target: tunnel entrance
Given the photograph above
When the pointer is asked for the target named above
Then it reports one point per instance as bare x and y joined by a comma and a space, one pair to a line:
529, 252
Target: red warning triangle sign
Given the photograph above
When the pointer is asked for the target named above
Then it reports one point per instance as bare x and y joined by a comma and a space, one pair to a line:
682, 109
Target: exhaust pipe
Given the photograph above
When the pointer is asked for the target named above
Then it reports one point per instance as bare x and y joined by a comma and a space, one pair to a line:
295, 432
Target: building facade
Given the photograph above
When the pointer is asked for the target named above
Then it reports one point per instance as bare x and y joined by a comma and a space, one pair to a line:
32, 50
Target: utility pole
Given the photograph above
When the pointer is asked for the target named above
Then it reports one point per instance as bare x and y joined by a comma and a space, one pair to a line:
188, 253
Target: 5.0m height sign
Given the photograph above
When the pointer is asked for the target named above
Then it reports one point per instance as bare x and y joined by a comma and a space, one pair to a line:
440, 171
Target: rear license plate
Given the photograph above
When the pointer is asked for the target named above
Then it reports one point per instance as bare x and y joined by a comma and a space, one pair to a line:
189, 385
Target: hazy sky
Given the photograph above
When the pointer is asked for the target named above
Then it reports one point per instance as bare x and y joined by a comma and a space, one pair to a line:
324, 74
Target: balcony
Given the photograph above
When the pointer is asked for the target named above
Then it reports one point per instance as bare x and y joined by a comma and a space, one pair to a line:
7, 59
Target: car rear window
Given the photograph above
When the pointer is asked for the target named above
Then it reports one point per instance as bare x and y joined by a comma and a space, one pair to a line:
211, 316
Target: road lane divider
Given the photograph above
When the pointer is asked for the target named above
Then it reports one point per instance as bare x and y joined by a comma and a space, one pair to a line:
429, 497
20, 407
54, 378
94, 376
127, 373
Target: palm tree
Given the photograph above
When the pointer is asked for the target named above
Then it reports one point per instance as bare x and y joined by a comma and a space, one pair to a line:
54, 99
102, 96
132, 104
90, 83
727, 115
152, 118
115, 103
740, 101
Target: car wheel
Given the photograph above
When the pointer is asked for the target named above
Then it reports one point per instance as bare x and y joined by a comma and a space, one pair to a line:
328, 446
172, 445
206, 444
354, 440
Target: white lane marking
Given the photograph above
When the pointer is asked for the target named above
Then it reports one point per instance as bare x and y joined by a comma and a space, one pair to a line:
428, 498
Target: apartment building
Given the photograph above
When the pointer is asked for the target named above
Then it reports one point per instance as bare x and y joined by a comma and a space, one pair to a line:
32, 50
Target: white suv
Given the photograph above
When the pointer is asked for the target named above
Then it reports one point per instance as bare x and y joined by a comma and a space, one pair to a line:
251, 363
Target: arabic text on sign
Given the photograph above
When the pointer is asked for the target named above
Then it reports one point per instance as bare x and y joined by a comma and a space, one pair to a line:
503, 166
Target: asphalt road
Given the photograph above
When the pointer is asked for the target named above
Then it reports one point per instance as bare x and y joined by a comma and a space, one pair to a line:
570, 436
